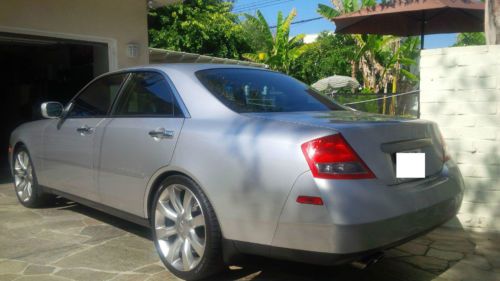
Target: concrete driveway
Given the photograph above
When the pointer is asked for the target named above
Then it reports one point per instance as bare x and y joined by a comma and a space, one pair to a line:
73, 242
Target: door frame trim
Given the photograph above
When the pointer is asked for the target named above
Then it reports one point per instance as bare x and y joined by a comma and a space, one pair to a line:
110, 42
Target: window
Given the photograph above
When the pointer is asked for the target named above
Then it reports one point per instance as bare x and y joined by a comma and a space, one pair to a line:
253, 90
147, 94
97, 98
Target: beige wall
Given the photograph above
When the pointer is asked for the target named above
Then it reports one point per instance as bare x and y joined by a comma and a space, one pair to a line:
115, 22
460, 90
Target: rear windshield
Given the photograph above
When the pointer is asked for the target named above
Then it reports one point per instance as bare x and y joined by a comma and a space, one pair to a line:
252, 90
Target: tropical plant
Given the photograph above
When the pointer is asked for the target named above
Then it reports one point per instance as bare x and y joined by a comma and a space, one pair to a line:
277, 50
198, 26
330, 54
365, 44
470, 39
343, 7
401, 54
382, 60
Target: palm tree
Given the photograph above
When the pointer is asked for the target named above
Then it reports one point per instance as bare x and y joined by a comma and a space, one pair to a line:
380, 59
401, 54
368, 45
277, 50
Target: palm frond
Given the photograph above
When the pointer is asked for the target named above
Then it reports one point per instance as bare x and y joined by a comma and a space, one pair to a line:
279, 37
355, 5
296, 40
407, 61
409, 75
287, 22
253, 57
327, 11
298, 51
260, 23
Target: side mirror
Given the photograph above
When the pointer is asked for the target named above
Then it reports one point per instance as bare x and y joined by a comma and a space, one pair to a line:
52, 109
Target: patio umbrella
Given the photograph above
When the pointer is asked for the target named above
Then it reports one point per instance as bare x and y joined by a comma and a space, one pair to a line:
335, 82
414, 17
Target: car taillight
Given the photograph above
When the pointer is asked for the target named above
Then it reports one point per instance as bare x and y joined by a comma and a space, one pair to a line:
331, 157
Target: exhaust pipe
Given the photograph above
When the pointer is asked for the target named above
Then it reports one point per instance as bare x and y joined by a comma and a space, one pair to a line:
367, 261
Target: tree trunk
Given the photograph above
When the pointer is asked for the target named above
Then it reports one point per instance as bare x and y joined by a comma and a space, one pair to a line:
353, 69
492, 22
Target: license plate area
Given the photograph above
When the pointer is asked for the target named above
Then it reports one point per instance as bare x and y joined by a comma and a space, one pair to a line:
410, 164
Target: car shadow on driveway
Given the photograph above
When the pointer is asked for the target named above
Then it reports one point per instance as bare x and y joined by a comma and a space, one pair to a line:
105, 218
425, 258
80, 243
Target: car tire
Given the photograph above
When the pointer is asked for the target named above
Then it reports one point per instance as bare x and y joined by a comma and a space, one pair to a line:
28, 192
185, 229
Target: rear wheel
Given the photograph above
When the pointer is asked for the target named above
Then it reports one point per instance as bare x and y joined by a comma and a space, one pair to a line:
28, 191
185, 230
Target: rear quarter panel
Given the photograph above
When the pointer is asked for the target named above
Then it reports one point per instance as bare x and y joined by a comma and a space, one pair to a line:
247, 167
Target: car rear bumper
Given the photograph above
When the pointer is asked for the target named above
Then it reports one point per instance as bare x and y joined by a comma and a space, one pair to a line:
365, 217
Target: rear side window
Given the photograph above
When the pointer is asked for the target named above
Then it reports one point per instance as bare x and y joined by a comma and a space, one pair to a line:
252, 90
147, 94
97, 98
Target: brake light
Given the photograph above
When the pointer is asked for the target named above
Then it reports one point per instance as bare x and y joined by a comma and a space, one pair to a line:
331, 157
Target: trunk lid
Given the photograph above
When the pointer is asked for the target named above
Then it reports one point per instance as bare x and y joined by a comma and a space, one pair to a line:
376, 138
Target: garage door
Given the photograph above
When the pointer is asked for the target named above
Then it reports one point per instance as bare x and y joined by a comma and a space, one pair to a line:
38, 69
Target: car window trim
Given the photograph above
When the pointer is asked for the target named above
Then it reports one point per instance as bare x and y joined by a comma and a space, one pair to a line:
175, 96
127, 76
120, 93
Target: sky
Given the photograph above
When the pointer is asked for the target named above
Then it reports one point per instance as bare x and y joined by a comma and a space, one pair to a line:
306, 9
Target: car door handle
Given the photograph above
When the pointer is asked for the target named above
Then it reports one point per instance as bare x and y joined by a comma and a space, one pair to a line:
85, 130
161, 134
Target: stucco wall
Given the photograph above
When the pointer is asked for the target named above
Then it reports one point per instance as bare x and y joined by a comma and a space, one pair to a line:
460, 90
115, 22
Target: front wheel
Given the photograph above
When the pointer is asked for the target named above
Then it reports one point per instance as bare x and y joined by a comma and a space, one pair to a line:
28, 191
186, 232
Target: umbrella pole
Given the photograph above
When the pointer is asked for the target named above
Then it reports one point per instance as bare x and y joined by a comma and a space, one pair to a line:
422, 31
422, 38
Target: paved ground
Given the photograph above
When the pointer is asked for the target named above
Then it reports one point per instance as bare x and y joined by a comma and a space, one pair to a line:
73, 242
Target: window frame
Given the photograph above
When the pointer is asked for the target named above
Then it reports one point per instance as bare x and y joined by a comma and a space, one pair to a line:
70, 106
175, 97
128, 74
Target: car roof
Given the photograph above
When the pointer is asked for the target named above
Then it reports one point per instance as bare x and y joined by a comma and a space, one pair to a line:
186, 68
191, 67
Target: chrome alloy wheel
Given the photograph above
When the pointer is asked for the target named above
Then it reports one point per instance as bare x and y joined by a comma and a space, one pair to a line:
23, 176
180, 227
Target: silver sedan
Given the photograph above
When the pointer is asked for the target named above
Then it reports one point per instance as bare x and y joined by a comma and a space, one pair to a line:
227, 160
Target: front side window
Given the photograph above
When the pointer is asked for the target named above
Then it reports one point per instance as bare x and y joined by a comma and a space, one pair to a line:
253, 90
147, 94
96, 99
